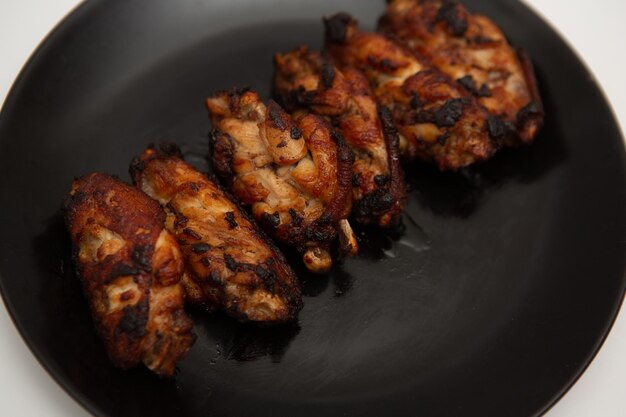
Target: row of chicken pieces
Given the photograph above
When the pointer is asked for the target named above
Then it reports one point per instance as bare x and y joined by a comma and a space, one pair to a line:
436, 84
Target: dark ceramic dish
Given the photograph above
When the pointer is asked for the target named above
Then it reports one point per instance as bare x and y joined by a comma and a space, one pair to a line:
493, 302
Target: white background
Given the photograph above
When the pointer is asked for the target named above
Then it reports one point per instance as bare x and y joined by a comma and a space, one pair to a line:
595, 29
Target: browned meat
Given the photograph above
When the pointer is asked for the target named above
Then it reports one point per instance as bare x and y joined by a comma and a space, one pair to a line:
230, 263
438, 120
294, 173
309, 80
471, 49
130, 269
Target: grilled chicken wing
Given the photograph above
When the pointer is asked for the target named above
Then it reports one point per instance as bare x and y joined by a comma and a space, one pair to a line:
295, 173
471, 49
130, 268
309, 80
230, 263
438, 120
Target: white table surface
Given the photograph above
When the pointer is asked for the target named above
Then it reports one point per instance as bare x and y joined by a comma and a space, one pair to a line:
596, 30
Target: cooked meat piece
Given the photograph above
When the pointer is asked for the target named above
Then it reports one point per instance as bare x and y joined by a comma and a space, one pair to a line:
309, 80
130, 268
438, 120
294, 173
471, 49
230, 263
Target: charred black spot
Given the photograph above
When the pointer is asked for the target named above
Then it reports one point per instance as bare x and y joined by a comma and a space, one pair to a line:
442, 139
450, 113
467, 82
192, 233
328, 74
271, 220
322, 229
142, 255
200, 247
356, 179
470, 85
133, 321
276, 114
496, 128
230, 219
296, 133
267, 276
449, 13
295, 217
180, 220
527, 112
415, 101
484, 91
281, 144
170, 149
230, 262
381, 180
194, 187
336, 27
120, 270
261, 272
215, 277
205, 262
300, 98
387, 65
373, 204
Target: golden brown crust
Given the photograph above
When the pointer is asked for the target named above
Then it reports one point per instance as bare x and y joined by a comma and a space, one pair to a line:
130, 268
437, 119
309, 80
299, 203
230, 263
472, 49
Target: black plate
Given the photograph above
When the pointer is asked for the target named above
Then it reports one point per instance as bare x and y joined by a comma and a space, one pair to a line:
494, 301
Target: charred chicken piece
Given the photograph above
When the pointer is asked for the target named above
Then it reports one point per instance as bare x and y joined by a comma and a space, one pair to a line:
230, 263
294, 173
438, 120
309, 80
130, 268
471, 49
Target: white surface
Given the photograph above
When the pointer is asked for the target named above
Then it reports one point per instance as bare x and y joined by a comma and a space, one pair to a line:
596, 31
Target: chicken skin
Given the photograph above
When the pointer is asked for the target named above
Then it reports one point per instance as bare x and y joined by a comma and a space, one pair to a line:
308, 80
471, 49
230, 265
295, 173
130, 268
438, 120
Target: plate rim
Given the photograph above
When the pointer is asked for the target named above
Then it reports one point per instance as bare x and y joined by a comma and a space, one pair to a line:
86, 8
